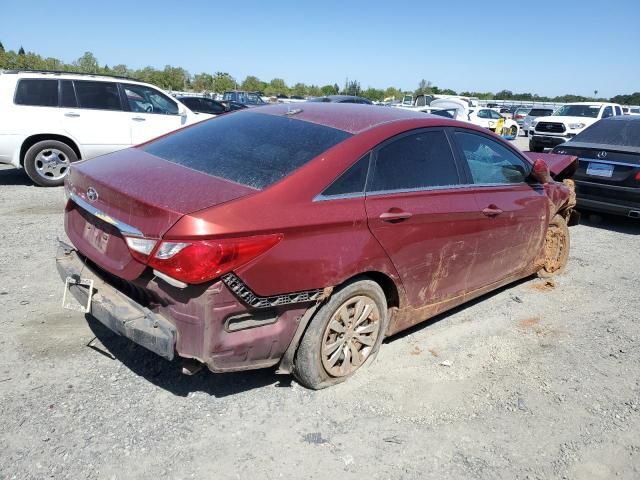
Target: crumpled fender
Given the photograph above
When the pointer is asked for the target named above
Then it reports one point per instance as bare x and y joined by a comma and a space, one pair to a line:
560, 166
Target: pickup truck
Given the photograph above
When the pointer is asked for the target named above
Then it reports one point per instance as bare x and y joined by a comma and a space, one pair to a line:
566, 122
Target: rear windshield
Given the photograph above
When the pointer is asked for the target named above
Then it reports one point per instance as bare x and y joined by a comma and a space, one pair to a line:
540, 112
250, 148
612, 132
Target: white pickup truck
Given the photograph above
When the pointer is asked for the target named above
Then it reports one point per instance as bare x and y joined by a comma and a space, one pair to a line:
567, 121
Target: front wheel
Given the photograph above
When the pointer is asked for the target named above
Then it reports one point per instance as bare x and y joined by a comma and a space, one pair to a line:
556, 248
343, 335
47, 162
513, 131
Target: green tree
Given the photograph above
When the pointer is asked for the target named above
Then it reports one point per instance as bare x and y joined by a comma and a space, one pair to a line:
121, 70
203, 82
87, 63
222, 82
277, 86
352, 87
299, 89
424, 87
373, 94
1, 48
21, 51
314, 91
329, 90
252, 84
447, 91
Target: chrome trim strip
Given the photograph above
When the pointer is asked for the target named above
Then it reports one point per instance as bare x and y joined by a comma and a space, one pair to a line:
124, 228
597, 160
238, 287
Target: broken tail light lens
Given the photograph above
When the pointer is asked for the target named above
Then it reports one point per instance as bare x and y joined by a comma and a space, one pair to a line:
199, 261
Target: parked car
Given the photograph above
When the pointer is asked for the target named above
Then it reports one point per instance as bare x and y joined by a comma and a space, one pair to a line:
301, 238
249, 99
608, 174
568, 121
51, 119
341, 99
209, 106
519, 114
489, 118
534, 113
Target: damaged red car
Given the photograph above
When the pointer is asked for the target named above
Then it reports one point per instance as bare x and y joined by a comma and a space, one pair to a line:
301, 238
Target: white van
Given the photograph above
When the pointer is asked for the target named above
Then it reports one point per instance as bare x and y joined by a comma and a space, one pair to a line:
48, 120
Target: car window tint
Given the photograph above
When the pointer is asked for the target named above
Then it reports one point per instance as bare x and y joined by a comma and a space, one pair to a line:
490, 162
618, 111
212, 106
67, 94
352, 181
495, 115
416, 161
484, 114
618, 131
250, 148
98, 95
149, 100
41, 93
607, 112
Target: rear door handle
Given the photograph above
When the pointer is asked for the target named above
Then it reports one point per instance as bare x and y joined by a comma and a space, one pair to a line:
72, 114
138, 119
492, 211
395, 215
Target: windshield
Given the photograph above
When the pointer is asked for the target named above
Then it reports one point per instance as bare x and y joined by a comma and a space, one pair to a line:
578, 111
540, 112
612, 132
250, 148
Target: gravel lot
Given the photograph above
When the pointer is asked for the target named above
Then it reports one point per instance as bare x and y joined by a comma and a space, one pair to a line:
538, 380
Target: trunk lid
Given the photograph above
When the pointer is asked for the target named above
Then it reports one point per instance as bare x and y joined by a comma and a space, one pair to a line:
136, 192
560, 166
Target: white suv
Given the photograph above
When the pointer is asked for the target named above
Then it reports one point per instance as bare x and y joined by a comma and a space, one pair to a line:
49, 120
568, 121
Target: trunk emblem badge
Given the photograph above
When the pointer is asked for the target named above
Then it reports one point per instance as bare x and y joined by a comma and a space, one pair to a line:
92, 194
602, 154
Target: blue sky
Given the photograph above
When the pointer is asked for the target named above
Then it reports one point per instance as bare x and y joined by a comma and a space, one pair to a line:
544, 47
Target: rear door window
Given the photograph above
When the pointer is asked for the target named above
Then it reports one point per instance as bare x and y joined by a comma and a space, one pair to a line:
67, 94
250, 148
98, 95
490, 162
414, 162
37, 92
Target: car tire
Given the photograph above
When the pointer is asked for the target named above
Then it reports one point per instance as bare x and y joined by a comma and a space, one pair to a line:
534, 147
47, 162
526, 133
318, 362
555, 252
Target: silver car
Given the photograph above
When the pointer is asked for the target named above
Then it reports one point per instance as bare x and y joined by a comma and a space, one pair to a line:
532, 115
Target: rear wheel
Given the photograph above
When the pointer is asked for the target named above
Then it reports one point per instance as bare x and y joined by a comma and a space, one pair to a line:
513, 131
344, 334
48, 162
556, 248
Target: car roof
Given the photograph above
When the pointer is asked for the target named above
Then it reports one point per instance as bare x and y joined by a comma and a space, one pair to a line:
349, 117
70, 76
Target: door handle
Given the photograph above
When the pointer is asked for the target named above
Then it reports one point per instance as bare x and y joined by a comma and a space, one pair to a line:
395, 215
492, 211
72, 114
138, 119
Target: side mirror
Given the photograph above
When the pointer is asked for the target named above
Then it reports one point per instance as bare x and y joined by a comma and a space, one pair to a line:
182, 111
540, 171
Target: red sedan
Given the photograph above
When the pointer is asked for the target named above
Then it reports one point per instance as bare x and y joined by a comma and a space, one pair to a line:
302, 237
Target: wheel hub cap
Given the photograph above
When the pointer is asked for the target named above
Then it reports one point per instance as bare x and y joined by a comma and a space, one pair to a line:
52, 164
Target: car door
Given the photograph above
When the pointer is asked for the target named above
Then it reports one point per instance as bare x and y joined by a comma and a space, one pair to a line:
37, 107
484, 117
514, 214
93, 115
422, 218
151, 112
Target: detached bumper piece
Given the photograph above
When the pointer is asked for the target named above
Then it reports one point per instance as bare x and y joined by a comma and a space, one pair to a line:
116, 311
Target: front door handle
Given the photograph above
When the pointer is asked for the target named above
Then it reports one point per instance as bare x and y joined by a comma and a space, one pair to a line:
71, 114
492, 211
395, 215
139, 119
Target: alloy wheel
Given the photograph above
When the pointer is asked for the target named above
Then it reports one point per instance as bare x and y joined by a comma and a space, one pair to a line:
52, 164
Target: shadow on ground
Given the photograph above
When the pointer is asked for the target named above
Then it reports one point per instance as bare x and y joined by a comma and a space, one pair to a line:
14, 176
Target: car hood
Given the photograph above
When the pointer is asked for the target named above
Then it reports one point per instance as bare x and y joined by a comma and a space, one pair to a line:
147, 192
565, 119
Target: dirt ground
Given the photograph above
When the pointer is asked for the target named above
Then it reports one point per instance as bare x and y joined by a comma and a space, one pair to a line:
535, 381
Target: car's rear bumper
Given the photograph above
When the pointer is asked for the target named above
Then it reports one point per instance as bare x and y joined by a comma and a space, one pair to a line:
116, 311
209, 323
610, 199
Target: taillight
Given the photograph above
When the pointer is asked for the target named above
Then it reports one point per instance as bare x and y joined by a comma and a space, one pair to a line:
199, 261
140, 248
638, 177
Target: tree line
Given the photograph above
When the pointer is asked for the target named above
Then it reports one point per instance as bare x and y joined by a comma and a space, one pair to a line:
177, 78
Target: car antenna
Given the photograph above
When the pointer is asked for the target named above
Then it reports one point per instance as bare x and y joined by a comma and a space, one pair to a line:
290, 112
